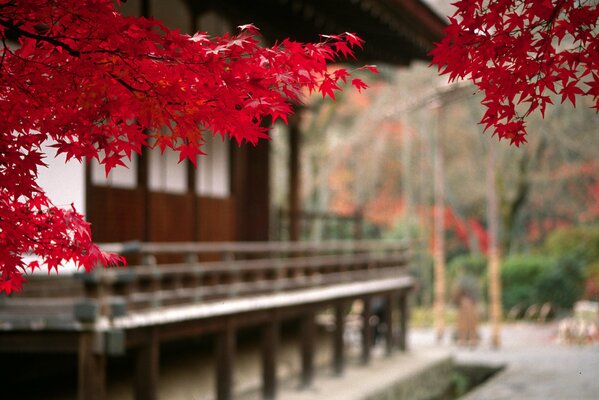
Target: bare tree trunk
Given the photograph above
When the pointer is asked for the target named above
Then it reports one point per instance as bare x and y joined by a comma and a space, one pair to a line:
439, 229
407, 184
494, 256
511, 207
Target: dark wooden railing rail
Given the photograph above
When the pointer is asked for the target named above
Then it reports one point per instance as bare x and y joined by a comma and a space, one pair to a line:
241, 269
179, 290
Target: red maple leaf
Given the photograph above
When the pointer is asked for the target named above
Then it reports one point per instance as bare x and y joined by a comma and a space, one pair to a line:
328, 86
359, 84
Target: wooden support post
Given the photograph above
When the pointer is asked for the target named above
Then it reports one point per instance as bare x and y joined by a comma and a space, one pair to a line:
308, 338
367, 336
91, 369
225, 361
147, 367
390, 325
403, 322
294, 177
270, 346
338, 345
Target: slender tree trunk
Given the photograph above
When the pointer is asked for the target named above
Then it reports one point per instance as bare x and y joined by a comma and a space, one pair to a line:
407, 184
424, 219
494, 255
439, 229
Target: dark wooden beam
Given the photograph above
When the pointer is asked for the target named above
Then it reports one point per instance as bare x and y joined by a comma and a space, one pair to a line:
294, 177
366, 330
91, 369
251, 190
270, 347
39, 342
338, 344
390, 300
142, 184
308, 339
225, 361
147, 367
403, 321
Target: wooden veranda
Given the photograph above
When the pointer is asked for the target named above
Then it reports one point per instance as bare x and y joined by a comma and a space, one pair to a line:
183, 290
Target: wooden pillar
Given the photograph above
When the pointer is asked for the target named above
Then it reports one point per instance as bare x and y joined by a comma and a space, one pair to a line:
270, 346
147, 367
294, 178
367, 337
403, 322
338, 345
308, 339
251, 191
225, 361
193, 198
390, 332
91, 368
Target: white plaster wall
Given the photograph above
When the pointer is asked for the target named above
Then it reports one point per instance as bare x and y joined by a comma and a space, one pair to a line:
212, 177
120, 177
63, 182
166, 174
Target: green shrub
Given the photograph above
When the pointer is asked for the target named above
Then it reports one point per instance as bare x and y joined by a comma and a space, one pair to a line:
581, 241
562, 284
531, 279
519, 275
582, 244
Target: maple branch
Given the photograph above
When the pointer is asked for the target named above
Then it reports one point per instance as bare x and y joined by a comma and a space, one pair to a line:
125, 84
21, 32
55, 41
5, 47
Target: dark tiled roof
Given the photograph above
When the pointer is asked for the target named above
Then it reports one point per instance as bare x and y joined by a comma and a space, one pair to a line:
395, 31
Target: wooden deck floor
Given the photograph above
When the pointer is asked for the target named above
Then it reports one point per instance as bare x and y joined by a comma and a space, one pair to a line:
187, 371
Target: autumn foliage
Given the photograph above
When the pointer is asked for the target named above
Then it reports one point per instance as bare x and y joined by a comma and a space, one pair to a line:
521, 52
94, 84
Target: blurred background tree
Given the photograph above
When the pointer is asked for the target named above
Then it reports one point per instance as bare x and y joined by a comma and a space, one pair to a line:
371, 156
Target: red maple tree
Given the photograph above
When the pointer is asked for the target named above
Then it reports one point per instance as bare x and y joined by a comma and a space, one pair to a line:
97, 85
519, 53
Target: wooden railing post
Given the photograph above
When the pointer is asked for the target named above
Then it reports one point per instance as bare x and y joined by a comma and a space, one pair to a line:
93, 304
234, 273
151, 263
147, 367
338, 344
366, 330
390, 299
308, 339
225, 360
270, 346
92, 367
403, 321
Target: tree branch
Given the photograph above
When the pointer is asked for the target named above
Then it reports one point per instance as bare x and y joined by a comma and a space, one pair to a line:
21, 32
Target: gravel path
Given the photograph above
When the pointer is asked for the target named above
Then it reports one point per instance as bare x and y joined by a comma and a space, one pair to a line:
537, 367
